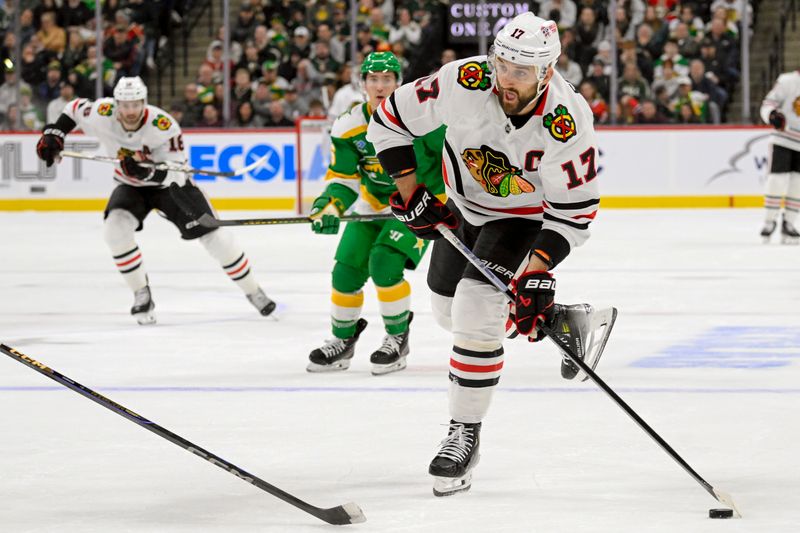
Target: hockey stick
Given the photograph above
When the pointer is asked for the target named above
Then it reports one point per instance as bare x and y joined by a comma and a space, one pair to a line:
720, 496
348, 513
170, 166
208, 221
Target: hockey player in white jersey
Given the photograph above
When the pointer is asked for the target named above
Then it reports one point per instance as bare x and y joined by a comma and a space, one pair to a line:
781, 109
520, 171
133, 131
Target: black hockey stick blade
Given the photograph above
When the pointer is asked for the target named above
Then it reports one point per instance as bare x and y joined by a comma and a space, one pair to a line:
349, 513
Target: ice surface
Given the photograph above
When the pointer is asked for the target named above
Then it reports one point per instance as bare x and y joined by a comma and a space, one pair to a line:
705, 349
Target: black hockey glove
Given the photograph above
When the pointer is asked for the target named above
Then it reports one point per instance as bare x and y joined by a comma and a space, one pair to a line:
50, 144
422, 213
535, 302
132, 168
777, 119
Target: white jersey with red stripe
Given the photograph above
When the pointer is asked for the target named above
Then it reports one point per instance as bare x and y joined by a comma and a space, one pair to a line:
785, 97
158, 138
545, 170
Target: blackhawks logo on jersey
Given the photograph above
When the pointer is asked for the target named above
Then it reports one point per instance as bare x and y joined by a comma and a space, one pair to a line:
494, 172
473, 76
105, 109
796, 106
560, 124
161, 122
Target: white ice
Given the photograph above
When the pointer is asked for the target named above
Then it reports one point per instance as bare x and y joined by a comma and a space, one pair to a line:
705, 349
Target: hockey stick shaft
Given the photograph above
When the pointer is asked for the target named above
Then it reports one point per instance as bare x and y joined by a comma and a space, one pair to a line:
209, 221
177, 167
343, 514
500, 285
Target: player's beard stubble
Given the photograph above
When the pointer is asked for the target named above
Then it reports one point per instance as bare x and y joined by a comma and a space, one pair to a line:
521, 101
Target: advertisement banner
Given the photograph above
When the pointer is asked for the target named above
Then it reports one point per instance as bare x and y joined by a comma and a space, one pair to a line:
464, 19
724, 165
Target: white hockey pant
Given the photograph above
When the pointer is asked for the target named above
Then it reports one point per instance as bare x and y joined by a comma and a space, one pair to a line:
782, 187
118, 231
476, 316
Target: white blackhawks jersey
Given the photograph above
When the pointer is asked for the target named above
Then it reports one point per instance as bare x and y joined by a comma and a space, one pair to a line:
546, 170
785, 97
158, 139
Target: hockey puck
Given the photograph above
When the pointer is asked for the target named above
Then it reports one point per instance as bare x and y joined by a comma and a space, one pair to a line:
720, 513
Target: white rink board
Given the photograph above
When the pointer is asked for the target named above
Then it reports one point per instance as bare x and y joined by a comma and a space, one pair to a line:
632, 162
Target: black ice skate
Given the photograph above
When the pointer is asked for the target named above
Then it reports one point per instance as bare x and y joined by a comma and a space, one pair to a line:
458, 455
768, 230
261, 302
143, 306
585, 331
391, 356
336, 353
789, 234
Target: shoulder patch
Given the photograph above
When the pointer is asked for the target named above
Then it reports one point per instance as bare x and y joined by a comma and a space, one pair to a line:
560, 124
474, 76
161, 122
105, 109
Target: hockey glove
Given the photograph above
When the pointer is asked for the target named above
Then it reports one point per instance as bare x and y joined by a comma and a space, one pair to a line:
325, 213
535, 302
50, 144
422, 213
132, 169
777, 120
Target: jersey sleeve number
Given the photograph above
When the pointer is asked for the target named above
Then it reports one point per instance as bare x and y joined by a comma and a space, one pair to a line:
431, 93
176, 143
587, 158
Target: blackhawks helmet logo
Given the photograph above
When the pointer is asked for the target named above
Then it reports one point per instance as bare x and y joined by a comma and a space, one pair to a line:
495, 173
560, 124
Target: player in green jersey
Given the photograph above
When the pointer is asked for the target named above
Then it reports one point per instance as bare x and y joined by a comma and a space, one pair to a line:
381, 249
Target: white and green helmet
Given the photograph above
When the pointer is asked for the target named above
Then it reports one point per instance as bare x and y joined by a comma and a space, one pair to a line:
381, 62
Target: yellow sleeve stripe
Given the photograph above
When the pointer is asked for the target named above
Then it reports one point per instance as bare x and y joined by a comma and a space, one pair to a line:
343, 299
442, 198
355, 131
392, 294
371, 200
332, 175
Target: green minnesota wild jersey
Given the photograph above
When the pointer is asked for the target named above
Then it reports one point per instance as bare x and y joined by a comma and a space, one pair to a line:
355, 176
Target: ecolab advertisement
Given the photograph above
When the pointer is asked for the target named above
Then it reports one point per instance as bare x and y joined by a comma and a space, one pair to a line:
722, 162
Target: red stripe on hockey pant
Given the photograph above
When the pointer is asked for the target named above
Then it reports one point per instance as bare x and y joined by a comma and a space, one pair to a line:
129, 261
238, 269
475, 368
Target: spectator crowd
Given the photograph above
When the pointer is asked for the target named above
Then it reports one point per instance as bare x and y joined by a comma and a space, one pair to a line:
677, 61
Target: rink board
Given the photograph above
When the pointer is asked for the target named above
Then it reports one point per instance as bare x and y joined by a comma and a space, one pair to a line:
639, 168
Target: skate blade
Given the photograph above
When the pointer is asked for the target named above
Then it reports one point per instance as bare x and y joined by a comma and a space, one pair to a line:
380, 370
602, 323
448, 486
145, 319
790, 240
338, 366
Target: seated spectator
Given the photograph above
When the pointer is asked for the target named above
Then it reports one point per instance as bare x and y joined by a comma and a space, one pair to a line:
626, 109
316, 109
261, 99
596, 103
662, 101
245, 24
50, 88
589, 32
408, 31
562, 12
599, 79
679, 63
688, 46
399, 51
214, 60
346, 96
365, 42
379, 29
321, 58
242, 87
703, 82
657, 23
647, 113
569, 70
694, 100
631, 54
26, 27
293, 105
122, 52
210, 118
52, 37
301, 41
75, 13
632, 83
205, 84
8, 91
9, 122
245, 118
686, 115
308, 82
43, 7
56, 106
288, 68
192, 106
32, 118
75, 51
668, 80
250, 60
33, 65
692, 21
604, 54
646, 44
277, 116
723, 74
726, 45
272, 76
325, 35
